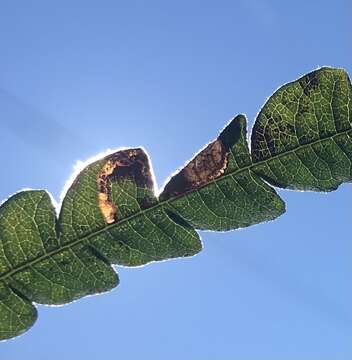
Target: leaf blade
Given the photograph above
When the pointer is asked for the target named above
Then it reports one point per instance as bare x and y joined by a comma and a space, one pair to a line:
304, 132
235, 198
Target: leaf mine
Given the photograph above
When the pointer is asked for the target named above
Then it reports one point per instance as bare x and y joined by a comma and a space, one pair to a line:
125, 164
107, 208
207, 165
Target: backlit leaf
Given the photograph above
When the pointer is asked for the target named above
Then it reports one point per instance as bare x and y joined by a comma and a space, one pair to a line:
111, 215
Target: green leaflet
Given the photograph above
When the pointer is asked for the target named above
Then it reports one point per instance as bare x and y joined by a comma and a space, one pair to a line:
302, 139
227, 198
302, 136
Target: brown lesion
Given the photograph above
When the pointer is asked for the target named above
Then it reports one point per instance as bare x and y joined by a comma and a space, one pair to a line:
107, 208
132, 164
208, 165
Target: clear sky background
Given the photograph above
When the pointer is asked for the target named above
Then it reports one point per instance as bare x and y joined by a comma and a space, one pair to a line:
78, 77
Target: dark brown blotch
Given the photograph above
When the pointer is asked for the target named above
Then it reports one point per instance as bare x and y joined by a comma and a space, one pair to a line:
125, 164
208, 165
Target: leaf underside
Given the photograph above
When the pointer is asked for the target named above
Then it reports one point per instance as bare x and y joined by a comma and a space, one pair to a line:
302, 139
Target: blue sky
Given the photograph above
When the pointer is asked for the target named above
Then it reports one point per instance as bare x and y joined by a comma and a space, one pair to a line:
78, 77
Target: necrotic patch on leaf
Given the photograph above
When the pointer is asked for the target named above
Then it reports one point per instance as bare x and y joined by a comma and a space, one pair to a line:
208, 165
108, 209
132, 164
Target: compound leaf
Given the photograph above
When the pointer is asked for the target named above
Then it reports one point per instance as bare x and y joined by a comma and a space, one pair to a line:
111, 214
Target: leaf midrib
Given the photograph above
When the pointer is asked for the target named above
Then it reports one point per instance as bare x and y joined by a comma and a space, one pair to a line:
79, 240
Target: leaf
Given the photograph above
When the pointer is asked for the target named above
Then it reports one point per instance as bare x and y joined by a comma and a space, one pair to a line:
302, 139
217, 190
